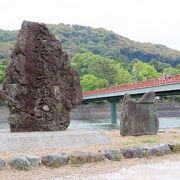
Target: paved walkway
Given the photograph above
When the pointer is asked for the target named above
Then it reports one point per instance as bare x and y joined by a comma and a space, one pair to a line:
153, 171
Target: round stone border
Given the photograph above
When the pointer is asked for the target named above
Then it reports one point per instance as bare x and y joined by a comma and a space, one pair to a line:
78, 158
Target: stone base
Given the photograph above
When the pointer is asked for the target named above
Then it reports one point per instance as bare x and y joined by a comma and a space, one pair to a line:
12, 142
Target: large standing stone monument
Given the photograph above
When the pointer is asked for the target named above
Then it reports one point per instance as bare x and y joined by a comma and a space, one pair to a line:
139, 118
40, 86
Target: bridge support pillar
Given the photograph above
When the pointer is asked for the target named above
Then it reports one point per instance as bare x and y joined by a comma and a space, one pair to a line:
113, 112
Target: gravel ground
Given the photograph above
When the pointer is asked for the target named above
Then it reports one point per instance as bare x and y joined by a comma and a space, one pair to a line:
165, 170
117, 142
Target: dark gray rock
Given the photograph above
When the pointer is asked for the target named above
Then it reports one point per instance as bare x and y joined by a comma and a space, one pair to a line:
132, 153
96, 157
157, 150
2, 164
164, 149
113, 155
175, 147
40, 86
55, 160
20, 163
78, 158
139, 118
25, 162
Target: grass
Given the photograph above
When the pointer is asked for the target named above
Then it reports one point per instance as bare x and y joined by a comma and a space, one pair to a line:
149, 141
172, 136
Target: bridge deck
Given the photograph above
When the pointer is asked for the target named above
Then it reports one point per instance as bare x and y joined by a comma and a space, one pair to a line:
171, 83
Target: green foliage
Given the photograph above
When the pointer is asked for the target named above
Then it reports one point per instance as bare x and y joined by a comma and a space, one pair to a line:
81, 39
90, 82
3, 65
123, 77
159, 66
81, 62
131, 65
104, 68
101, 68
171, 71
178, 66
2, 69
8, 36
143, 71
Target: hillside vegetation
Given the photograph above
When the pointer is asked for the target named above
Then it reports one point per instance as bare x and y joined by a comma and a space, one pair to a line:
80, 39
103, 58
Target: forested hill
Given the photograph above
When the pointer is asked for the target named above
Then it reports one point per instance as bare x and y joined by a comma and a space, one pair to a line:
80, 39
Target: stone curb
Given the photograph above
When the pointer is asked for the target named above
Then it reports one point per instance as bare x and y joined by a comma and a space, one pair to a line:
78, 158
25, 162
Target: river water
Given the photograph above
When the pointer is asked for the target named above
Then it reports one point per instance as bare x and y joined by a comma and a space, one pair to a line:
105, 124
164, 123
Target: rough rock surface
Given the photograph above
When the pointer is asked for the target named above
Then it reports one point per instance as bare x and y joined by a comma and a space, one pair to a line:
2, 96
40, 85
55, 160
175, 147
157, 150
79, 157
96, 157
113, 155
20, 163
34, 160
132, 153
25, 162
139, 118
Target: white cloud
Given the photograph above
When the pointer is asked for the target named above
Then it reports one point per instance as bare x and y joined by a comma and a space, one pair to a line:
155, 21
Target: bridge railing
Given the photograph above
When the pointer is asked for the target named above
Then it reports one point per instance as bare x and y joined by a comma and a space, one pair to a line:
137, 85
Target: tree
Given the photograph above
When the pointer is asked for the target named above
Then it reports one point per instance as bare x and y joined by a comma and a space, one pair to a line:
90, 82
123, 77
159, 66
80, 62
171, 71
143, 71
104, 69
131, 64
101, 67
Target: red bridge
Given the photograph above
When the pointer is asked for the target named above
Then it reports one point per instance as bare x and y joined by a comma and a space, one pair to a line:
162, 86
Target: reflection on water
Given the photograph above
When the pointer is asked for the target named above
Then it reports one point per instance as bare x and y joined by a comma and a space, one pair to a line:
164, 123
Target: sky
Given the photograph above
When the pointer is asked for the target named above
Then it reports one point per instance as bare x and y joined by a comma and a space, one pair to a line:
155, 21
